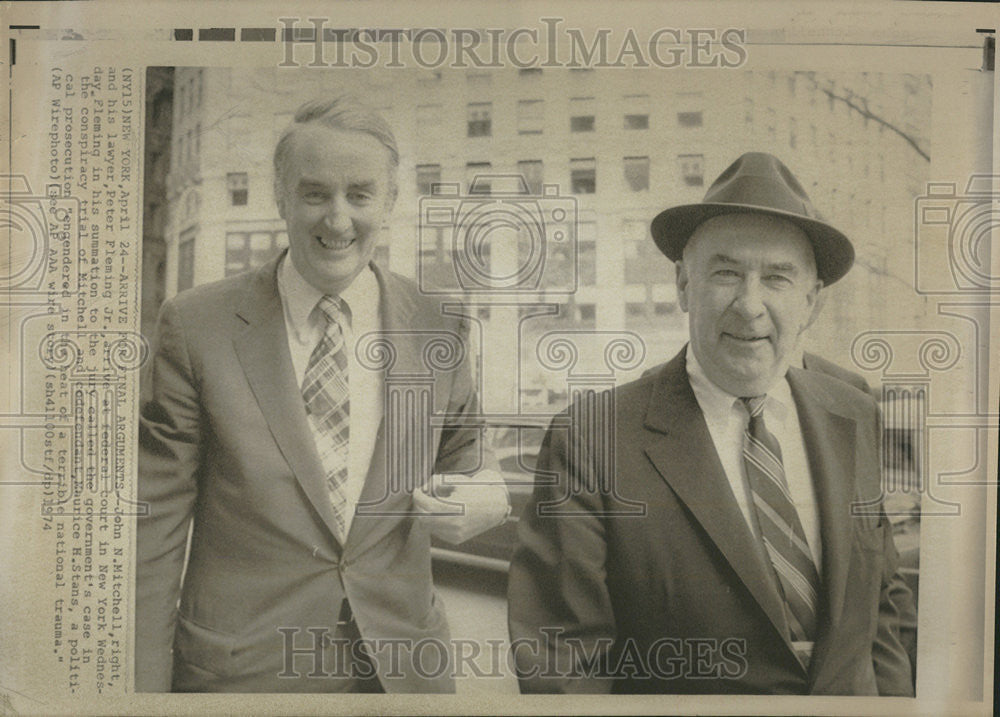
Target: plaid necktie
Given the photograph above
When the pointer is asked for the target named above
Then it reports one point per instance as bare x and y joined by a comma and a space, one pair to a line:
325, 391
780, 528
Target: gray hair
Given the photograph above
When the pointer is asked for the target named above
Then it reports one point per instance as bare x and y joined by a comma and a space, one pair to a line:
343, 112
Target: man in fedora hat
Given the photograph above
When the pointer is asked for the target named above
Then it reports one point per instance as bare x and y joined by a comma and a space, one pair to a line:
731, 538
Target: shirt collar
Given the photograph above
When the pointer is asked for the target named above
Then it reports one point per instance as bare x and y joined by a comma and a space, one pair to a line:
717, 402
302, 297
712, 399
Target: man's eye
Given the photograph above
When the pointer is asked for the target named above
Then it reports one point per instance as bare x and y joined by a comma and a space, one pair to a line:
778, 280
314, 197
360, 197
726, 274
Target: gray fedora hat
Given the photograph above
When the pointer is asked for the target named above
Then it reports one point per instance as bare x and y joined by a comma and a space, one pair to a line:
757, 182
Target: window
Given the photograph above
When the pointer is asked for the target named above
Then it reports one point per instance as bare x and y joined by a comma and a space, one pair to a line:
250, 250
431, 242
583, 176
637, 173
236, 183
636, 121
427, 176
532, 172
581, 111
586, 315
636, 109
429, 79
692, 169
647, 314
634, 310
689, 119
185, 261
477, 177
479, 119
530, 116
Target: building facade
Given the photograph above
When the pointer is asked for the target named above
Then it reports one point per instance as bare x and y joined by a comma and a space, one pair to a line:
565, 169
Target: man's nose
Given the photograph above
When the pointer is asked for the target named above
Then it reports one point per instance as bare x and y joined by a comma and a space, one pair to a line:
337, 218
750, 298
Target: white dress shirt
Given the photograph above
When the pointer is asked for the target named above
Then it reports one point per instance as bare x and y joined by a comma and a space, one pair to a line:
727, 420
305, 325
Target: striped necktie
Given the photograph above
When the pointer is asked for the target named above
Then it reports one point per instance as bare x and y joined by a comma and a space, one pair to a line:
780, 528
327, 399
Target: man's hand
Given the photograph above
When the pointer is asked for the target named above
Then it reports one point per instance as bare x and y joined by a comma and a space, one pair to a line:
455, 513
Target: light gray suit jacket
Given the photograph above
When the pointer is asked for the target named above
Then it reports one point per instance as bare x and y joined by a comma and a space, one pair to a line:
224, 440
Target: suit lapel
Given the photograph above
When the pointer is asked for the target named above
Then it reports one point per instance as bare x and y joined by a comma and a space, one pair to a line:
262, 349
829, 439
687, 460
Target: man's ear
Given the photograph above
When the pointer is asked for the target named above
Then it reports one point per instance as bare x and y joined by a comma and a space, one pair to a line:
680, 272
816, 298
279, 199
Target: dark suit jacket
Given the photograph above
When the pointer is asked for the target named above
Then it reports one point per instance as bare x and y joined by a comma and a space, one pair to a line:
224, 439
680, 598
812, 362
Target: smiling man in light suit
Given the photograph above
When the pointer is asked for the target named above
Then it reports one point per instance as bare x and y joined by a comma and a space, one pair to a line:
762, 561
264, 432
